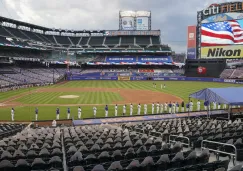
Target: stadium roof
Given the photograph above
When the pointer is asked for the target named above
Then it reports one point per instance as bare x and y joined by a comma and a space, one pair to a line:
229, 95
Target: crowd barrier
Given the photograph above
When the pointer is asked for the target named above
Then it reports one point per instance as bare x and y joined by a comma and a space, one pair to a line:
139, 78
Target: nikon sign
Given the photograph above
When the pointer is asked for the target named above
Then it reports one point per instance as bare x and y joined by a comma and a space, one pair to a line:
234, 51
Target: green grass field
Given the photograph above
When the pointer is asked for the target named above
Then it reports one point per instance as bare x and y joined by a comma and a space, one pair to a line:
25, 112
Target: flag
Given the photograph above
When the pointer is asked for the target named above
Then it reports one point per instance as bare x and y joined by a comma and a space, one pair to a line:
221, 33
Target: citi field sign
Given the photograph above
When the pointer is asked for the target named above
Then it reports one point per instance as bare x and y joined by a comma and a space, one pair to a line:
223, 8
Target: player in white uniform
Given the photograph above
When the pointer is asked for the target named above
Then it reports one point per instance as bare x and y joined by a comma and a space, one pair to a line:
12, 114
154, 85
191, 106
224, 106
95, 110
152, 108
173, 107
214, 105
68, 113
145, 109
124, 110
166, 106
116, 108
161, 108
157, 108
219, 106
177, 107
198, 105
131, 109
139, 109
164, 85
79, 112
161, 86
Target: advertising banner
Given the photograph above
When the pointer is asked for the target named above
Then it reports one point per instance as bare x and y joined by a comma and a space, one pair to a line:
235, 51
191, 36
142, 23
191, 53
123, 78
128, 23
118, 59
223, 33
155, 59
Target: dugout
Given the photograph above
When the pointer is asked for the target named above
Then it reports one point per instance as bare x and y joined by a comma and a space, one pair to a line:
214, 67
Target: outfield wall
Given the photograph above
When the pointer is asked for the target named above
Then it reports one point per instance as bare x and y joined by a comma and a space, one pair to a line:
139, 78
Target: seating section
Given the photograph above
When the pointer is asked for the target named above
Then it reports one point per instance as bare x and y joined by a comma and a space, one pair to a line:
33, 149
7, 130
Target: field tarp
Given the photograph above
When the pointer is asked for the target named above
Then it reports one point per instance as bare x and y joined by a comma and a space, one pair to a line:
229, 95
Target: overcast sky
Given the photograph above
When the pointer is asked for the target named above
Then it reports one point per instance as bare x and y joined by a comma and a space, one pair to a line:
170, 16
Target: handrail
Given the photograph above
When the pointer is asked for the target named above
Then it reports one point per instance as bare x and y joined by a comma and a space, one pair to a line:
178, 136
218, 151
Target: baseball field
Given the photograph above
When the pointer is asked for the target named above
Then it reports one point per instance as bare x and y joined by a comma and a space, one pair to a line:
88, 94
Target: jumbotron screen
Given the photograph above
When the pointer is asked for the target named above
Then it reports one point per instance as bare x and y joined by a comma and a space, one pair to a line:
222, 33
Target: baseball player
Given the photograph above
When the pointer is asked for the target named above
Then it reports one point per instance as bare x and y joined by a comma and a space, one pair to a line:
191, 106
152, 108
198, 105
219, 106
36, 113
145, 109
12, 114
131, 109
177, 107
106, 111
224, 106
57, 113
124, 110
214, 105
154, 85
116, 108
95, 111
79, 112
182, 106
187, 107
205, 105
166, 106
164, 85
139, 109
161, 86
68, 113
170, 106
161, 108
157, 108
173, 107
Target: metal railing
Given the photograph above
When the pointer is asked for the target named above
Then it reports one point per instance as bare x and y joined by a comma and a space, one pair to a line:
182, 137
234, 155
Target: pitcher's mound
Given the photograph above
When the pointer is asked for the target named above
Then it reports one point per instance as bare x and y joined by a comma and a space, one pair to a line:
68, 97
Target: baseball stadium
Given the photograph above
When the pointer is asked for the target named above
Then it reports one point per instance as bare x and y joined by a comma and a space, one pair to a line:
97, 100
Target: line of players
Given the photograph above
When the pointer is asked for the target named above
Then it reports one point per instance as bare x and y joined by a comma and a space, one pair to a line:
170, 108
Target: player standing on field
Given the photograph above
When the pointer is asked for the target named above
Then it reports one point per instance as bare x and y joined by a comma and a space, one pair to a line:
173, 107
131, 109
205, 105
36, 113
214, 105
177, 107
79, 112
164, 85
219, 105
116, 108
161, 108
12, 114
106, 111
57, 113
95, 111
182, 106
124, 110
139, 109
191, 106
152, 108
166, 106
170, 106
157, 108
198, 105
68, 113
145, 109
